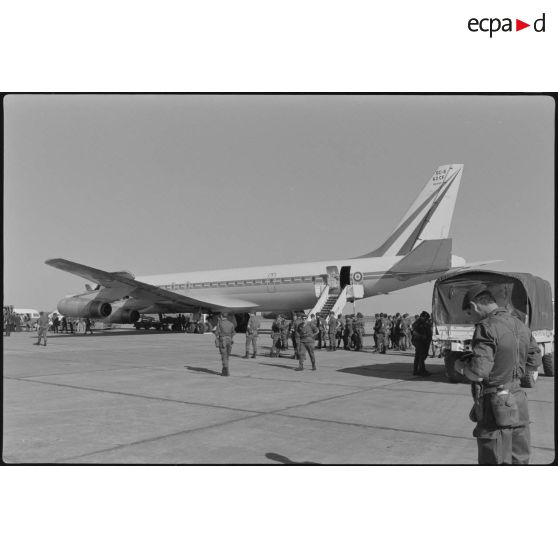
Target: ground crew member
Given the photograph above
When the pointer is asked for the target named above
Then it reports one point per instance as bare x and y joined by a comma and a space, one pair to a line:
252, 334
332, 330
421, 337
503, 350
307, 332
42, 328
224, 333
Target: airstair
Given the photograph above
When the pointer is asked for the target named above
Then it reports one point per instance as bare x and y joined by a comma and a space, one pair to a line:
330, 302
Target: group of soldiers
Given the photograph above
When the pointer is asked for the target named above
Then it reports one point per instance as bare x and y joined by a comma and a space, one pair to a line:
308, 334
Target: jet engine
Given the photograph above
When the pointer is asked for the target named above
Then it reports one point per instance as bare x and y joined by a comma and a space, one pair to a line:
77, 307
123, 316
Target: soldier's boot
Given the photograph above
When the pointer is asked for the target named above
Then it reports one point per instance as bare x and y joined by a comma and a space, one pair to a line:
300, 368
254, 355
246, 355
225, 371
314, 367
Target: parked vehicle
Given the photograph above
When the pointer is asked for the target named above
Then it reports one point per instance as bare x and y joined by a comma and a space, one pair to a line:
525, 295
147, 322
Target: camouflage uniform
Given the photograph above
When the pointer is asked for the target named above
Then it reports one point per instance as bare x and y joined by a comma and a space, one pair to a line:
503, 349
224, 332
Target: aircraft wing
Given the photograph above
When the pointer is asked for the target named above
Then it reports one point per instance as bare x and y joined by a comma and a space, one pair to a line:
122, 283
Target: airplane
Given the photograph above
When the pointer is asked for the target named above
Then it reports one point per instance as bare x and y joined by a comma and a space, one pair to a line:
417, 251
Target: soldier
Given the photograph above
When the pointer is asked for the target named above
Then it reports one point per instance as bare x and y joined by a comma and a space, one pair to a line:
276, 338
404, 332
422, 337
332, 330
252, 334
359, 331
88, 326
380, 332
347, 333
224, 333
321, 323
307, 332
503, 350
396, 331
64, 325
284, 333
340, 329
42, 328
295, 336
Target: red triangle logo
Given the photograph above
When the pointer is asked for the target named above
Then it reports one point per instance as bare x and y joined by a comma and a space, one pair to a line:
519, 25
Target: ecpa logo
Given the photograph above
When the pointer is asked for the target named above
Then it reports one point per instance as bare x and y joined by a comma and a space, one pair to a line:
494, 25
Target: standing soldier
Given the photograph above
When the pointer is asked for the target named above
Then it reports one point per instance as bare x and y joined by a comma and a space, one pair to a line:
422, 336
321, 332
64, 325
55, 323
224, 333
276, 342
88, 326
252, 335
332, 330
307, 332
284, 333
340, 330
294, 335
503, 350
359, 331
42, 327
347, 333
380, 331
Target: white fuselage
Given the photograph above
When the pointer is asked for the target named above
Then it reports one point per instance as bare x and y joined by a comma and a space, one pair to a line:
287, 286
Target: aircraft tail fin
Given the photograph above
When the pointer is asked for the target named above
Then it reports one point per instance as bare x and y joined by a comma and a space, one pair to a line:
429, 217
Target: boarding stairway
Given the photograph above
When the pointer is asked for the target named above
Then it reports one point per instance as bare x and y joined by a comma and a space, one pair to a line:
326, 303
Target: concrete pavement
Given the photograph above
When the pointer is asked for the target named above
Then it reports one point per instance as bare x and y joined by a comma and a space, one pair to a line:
128, 396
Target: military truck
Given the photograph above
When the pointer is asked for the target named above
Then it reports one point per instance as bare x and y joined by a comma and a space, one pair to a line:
526, 296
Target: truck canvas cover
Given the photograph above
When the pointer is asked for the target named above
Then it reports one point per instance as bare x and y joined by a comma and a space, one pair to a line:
522, 293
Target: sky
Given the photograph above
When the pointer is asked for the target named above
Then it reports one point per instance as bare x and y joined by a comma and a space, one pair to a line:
167, 183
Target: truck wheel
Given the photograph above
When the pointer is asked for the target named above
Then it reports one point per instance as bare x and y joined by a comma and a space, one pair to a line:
449, 360
530, 379
548, 364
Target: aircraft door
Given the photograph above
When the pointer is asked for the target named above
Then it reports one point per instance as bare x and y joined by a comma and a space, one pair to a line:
333, 278
345, 278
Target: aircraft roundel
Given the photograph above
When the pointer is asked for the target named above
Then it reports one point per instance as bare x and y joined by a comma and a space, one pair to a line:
357, 276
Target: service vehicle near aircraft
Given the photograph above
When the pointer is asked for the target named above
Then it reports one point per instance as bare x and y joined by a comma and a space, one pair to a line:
526, 296
417, 251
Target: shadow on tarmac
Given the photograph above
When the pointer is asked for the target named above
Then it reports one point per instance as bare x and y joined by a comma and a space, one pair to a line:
205, 370
113, 332
286, 461
292, 367
394, 371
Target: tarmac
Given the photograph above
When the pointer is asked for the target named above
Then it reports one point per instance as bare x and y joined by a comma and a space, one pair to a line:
144, 397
